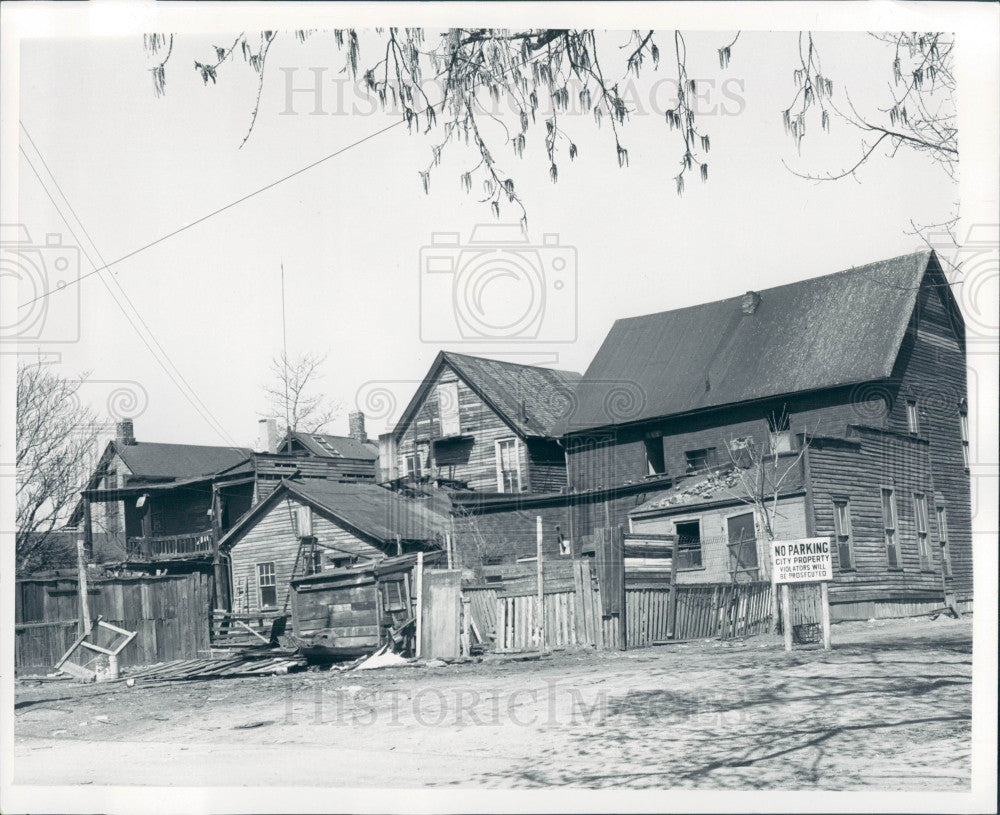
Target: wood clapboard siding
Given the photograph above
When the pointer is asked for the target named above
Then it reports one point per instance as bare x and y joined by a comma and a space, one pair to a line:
857, 469
170, 614
933, 373
272, 539
475, 461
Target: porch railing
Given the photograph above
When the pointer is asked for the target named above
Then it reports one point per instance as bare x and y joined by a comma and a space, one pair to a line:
166, 547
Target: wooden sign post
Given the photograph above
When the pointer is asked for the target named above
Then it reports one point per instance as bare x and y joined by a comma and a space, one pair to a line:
807, 560
541, 584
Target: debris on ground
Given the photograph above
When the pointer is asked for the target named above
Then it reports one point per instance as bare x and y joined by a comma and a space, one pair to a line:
246, 664
382, 658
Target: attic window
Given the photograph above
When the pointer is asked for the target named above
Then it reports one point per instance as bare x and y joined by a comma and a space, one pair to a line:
698, 460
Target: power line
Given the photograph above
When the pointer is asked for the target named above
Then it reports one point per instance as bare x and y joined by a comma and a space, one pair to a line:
258, 191
173, 372
221, 209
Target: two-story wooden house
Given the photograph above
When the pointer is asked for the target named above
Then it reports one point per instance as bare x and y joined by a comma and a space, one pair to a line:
483, 424
865, 367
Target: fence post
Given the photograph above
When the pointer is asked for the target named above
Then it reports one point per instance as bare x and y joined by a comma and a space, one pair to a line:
81, 567
541, 585
786, 616
419, 611
824, 599
673, 591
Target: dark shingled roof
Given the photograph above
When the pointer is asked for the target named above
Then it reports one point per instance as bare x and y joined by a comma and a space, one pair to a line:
148, 459
839, 329
373, 511
327, 446
529, 398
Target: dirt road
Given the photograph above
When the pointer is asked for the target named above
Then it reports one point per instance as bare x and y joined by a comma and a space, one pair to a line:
888, 708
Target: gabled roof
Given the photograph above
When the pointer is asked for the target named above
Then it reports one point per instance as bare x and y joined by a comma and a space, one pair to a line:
369, 510
327, 446
177, 461
823, 332
528, 398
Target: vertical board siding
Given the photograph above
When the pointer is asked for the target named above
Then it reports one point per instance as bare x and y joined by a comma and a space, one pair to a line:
172, 622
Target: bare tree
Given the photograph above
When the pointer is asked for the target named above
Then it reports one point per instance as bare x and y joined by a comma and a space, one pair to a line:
292, 397
761, 474
489, 89
56, 439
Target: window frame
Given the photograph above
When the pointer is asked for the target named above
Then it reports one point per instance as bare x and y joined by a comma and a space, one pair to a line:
912, 417
710, 460
266, 569
843, 535
755, 571
656, 445
941, 515
963, 421
689, 549
456, 423
891, 530
921, 529
514, 441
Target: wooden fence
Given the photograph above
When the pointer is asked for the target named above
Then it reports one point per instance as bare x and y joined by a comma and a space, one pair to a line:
170, 614
723, 610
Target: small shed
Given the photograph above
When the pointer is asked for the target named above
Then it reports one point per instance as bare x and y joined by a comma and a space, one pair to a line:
352, 610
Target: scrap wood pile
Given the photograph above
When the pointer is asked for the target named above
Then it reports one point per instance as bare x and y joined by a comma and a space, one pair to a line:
259, 664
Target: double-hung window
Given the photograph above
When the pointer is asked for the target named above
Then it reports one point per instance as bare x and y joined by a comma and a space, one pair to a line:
920, 523
508, 466
842, 531
942, 521
889, 526
267, 585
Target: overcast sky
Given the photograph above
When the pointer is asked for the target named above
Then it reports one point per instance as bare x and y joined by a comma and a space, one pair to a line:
349, 232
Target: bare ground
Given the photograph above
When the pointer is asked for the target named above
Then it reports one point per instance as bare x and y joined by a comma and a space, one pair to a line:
888, 708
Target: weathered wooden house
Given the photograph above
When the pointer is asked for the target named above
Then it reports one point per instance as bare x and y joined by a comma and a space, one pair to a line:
308, 526
482, 424
865, 368
147, 500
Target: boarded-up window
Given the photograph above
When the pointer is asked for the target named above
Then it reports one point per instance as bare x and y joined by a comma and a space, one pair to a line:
742, 545
688, 544
266, 585
447, 393
842, 532
889, 524
920, 522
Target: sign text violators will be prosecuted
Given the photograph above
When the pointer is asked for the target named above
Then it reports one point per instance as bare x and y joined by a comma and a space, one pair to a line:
802, 561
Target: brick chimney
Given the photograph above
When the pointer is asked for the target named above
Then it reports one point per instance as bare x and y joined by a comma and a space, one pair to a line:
749, 302
125, 432
356, 422
267, 436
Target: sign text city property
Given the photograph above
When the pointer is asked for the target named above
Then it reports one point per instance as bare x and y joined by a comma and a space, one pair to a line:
802, 561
